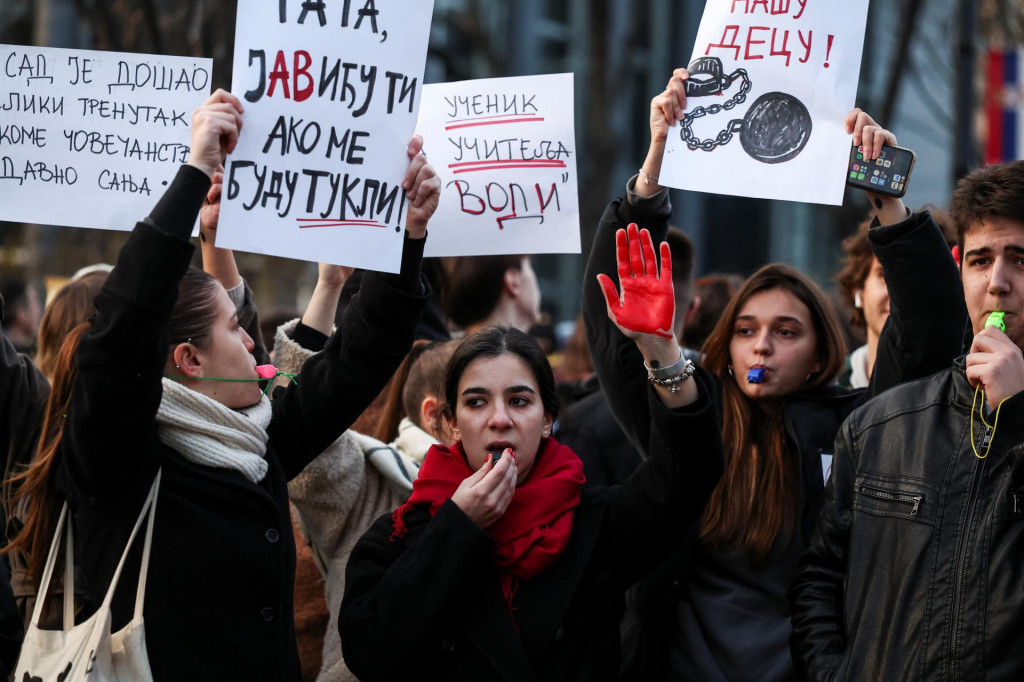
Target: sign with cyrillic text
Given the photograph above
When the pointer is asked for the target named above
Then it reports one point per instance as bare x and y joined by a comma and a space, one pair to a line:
331, 90
92, 139
506, 150
771, 82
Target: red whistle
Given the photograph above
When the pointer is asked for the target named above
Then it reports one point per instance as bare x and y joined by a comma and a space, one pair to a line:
266, 371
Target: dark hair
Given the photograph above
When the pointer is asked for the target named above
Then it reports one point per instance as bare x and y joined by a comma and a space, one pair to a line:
14, 293
492, 342
989, 192
715, 292
195, 311
684, 258
419, 375
944, 221
71, 306
473, 286
192, 318
856, 268
755, 500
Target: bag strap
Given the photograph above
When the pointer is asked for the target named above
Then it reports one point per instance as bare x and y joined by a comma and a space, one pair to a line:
69, 577
140, 593
69, 563
51, 561
150, 506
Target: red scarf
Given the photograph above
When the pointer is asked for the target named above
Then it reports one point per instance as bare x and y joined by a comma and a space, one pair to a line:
535, 528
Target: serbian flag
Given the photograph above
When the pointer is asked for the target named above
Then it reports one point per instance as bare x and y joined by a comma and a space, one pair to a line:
1004, 106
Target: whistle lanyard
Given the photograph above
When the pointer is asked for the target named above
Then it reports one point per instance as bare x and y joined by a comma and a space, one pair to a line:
270, 380
991, 436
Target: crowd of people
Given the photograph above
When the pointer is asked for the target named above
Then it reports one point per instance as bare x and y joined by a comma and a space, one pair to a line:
397, 484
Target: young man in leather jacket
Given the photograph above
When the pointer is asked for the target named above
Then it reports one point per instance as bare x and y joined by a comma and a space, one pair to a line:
916, 568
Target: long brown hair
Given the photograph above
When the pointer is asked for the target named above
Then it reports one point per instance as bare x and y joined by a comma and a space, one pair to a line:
35, 487
192, 318
755, 500
70, 307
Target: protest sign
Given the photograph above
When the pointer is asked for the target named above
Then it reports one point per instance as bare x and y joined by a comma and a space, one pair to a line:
771, 84
91, 139
331, 91
507, 153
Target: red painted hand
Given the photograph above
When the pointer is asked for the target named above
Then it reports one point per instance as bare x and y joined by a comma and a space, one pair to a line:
647, 304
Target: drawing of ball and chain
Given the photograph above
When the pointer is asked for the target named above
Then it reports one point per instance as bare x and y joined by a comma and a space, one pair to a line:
775, 128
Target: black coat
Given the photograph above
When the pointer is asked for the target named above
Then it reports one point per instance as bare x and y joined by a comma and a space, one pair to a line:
23, 394
219, 593
914, 571
923, 334
429, 606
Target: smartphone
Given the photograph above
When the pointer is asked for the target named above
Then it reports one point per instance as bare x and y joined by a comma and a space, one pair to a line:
888, 174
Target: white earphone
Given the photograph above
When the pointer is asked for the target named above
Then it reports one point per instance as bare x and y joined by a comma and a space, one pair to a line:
857, 303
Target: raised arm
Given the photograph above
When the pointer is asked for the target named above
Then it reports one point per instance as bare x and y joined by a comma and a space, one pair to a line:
111, 418
220, 264
373, 337
647, 204
651, 512
927, 313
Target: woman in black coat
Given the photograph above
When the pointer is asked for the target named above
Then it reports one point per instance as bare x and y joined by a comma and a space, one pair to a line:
502, 566
139, 395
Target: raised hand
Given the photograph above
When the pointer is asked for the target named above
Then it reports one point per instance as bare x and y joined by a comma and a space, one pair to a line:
867, 133
647, 303
423, 187
667, 107
215, 129
209, 214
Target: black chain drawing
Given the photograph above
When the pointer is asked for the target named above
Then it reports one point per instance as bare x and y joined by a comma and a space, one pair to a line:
775, 128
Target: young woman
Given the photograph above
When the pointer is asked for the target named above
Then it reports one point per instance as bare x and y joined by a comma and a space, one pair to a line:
718, 610
137, 389
501, 566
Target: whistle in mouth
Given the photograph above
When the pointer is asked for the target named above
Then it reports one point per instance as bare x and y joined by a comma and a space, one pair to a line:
996, 320
756, 375
266, 371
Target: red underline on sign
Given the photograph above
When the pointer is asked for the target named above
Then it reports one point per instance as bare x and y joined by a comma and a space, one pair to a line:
473, 166
481, 122
334, 222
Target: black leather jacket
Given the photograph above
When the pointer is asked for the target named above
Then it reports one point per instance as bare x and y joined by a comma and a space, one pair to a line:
916, 568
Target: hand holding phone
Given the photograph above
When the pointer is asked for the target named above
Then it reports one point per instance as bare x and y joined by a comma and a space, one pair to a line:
888, 174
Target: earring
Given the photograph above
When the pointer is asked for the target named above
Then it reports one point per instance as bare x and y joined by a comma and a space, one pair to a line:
857, 302
458, 436
729, 369
177, 366
546, 433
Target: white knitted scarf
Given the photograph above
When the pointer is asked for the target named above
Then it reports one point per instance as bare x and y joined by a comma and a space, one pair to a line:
206, 432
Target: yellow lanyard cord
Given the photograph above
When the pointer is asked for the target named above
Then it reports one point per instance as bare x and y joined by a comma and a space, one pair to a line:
993, 426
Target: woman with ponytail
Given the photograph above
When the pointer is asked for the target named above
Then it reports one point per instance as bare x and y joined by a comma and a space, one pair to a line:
718, 611
502, 565
162, 378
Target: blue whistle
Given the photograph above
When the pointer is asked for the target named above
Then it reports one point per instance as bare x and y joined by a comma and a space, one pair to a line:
756, 375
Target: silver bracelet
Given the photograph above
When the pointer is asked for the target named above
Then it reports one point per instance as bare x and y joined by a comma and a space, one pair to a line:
670, 377
648, 179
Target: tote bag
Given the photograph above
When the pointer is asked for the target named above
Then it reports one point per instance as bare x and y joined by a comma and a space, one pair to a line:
88, 651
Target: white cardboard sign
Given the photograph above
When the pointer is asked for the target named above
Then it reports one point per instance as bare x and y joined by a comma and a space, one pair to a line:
506, 151
91, 139
331, 91
777, 79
